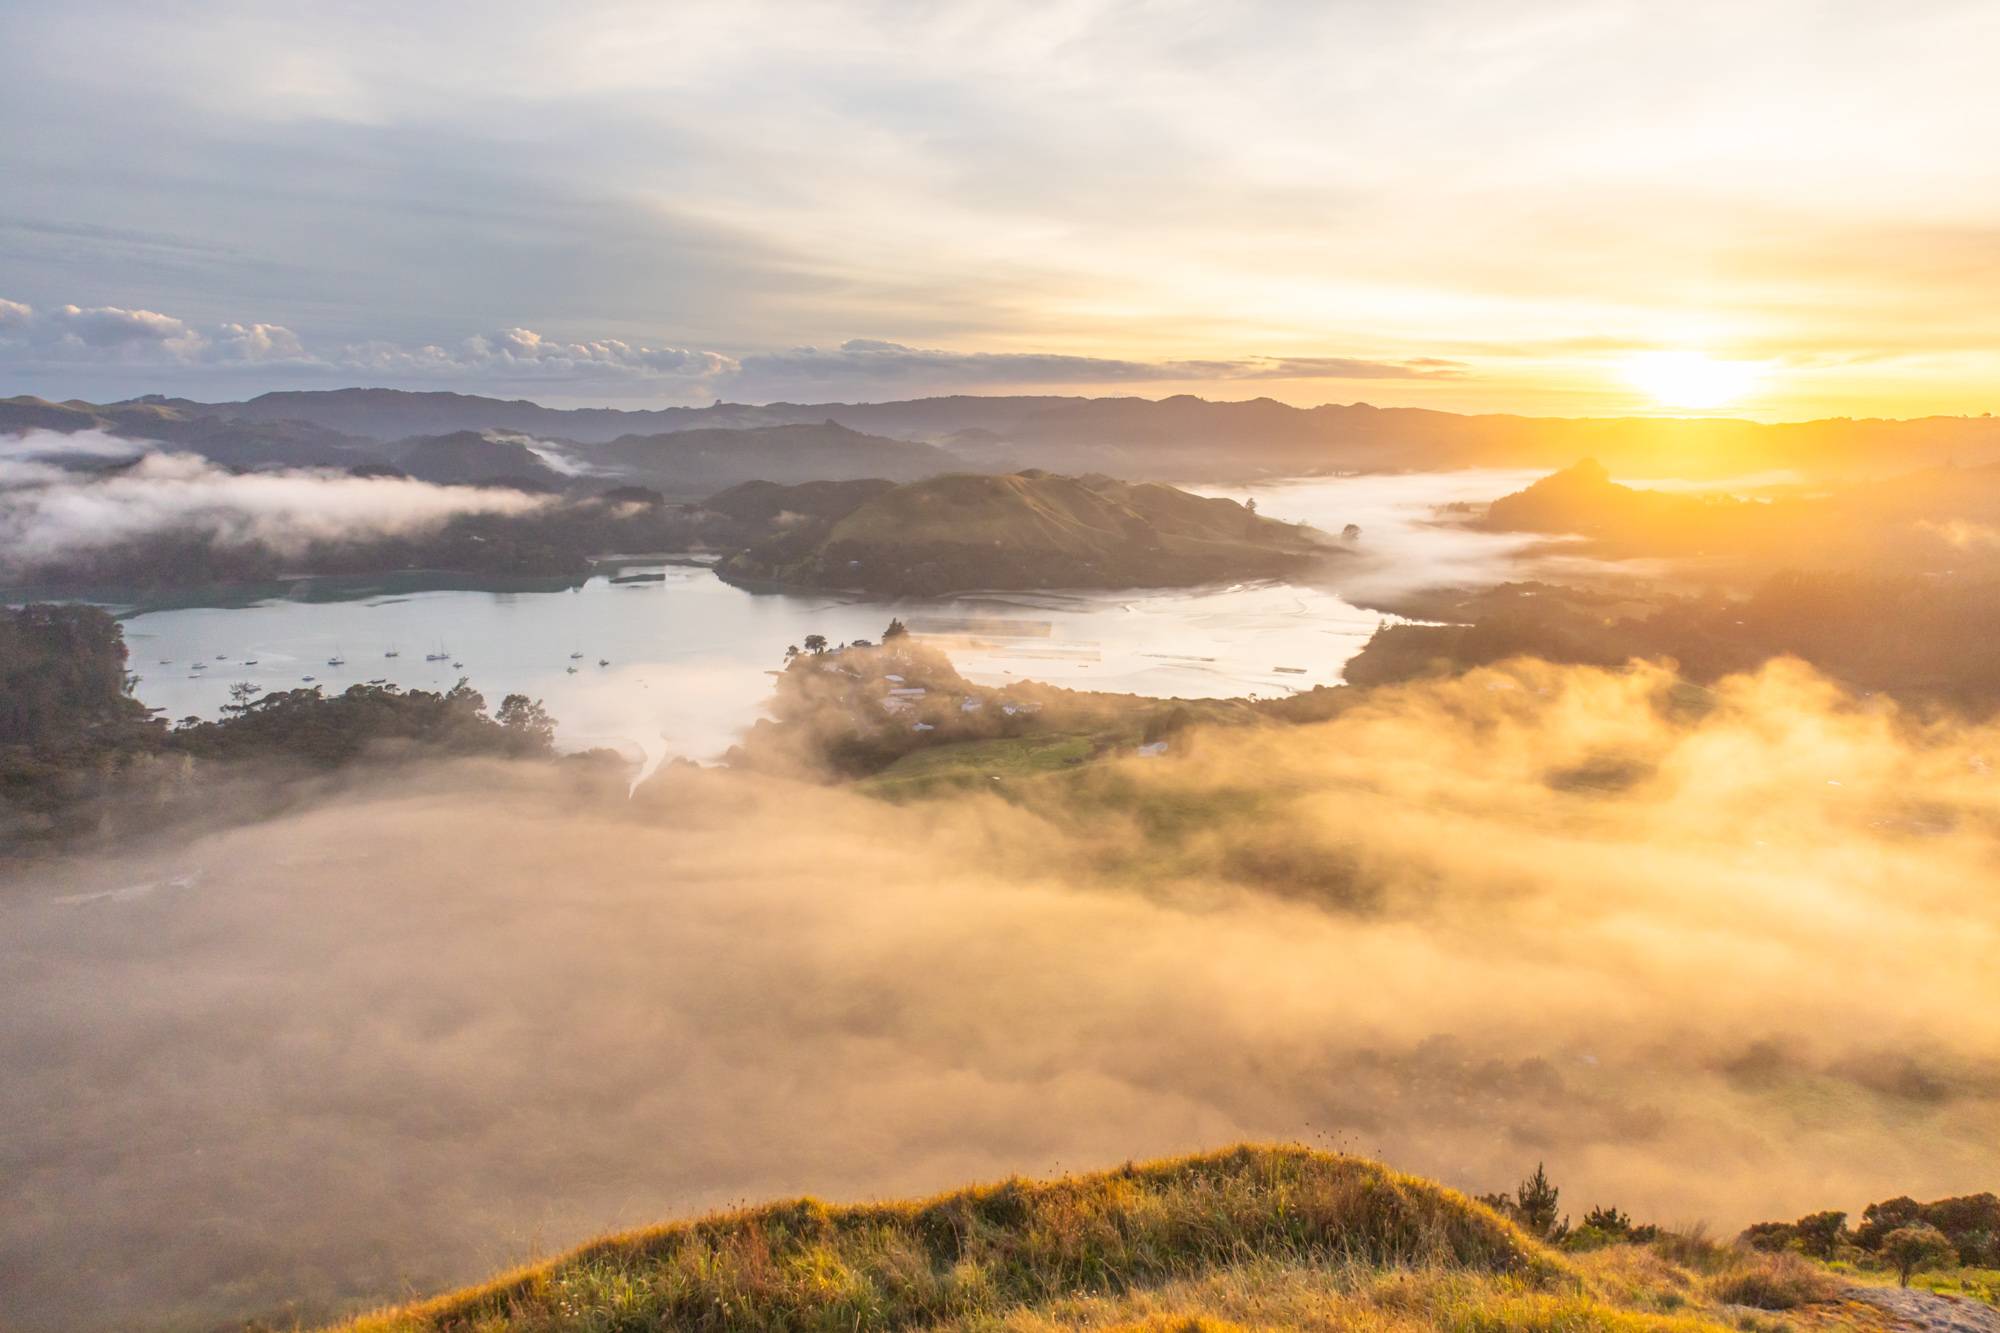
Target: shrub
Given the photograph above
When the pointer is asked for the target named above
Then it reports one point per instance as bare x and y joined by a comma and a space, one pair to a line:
1693, 1247
1608, 1220
1533, 1205
1819, 1233
1588, 1237
1915, 1247
1769, 1236
1773, 1282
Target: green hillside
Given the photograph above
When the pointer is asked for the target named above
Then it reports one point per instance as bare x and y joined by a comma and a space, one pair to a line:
1030, 530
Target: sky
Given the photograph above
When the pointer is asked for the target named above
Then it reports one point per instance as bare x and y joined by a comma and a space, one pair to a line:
1782, 210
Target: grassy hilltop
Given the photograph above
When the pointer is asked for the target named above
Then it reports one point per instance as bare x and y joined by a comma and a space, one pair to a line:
1029, 530
1250, 1237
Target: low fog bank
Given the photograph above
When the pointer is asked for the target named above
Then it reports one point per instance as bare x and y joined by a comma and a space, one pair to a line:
61, 495
1414, 538
1721, 955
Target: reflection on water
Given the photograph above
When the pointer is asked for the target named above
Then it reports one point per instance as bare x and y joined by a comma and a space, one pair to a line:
684, 656
659, 659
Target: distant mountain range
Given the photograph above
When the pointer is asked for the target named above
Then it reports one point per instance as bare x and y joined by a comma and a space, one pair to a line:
687, 462
693, 451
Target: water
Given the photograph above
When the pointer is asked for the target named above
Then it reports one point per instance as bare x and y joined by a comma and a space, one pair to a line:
689, 654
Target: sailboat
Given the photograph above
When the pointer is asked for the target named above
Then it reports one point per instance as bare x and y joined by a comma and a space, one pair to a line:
441, 655
574, 656
604, 661
336, 660
392, 653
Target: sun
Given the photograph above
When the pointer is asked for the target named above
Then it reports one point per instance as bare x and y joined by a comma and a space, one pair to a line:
1690, 379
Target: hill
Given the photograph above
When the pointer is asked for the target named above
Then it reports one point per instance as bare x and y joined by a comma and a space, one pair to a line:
766, 501
1028, 530
700, 462
1617, 519
1262, 1237
1185, 437
394, 414
1933, 521
469, 457
195, 428
456, 439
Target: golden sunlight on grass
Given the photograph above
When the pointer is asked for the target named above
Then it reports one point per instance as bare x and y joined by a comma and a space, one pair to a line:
1252, 1237
1683, 379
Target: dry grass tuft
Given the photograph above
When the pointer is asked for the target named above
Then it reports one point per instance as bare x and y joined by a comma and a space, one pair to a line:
1780, 1281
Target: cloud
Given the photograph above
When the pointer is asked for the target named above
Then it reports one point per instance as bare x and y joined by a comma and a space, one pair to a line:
74, 335
859, 365
877, 365
523, 356
561, 460
990, 173
48, 512
518, 353
48, 446
71, 333
439, 1020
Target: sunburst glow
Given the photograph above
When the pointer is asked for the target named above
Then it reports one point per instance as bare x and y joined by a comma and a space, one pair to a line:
1691, 379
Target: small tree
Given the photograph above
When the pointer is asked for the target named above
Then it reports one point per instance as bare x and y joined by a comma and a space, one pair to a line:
240, 695
1611, 1221
1818, 1233
1879, 1219
1912, 1248
897, 629
1535, 1206
815, 643
528, 721
791, 652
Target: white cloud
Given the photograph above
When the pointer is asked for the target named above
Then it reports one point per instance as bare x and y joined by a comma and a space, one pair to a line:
47, 511
514, 356
257, 342
524, 353
47, 446
88, 334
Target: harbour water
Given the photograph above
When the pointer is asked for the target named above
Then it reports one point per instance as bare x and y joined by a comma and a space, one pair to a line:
663, 658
